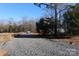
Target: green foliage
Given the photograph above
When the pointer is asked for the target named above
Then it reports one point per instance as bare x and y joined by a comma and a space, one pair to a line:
10, 28
57, 9
46, 26
42, 26
72, 20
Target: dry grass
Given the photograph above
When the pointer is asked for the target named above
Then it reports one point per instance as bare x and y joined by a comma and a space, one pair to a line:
5, 37
3, 53
35, 33
74, 40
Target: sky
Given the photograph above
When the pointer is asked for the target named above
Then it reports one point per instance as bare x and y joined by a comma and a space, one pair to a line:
19, 10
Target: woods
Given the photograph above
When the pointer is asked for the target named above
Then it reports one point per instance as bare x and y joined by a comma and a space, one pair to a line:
23, 25
71, 20
67, 22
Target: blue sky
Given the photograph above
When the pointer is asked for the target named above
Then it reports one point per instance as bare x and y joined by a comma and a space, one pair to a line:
17, 11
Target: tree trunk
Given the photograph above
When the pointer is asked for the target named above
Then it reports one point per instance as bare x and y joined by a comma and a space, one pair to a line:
55, 33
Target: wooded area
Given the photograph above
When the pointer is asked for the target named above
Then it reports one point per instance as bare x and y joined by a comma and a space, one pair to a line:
65, 20
23, 25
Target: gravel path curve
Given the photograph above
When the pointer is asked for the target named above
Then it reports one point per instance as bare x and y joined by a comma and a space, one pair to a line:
38, 47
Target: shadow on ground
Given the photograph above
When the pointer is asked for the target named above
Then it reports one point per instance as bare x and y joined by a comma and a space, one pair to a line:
41, 36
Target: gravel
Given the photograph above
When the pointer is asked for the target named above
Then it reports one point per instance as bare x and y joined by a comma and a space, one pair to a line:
38, 47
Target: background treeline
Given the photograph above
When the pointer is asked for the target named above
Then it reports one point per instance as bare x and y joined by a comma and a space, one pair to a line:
23, 25
67, 23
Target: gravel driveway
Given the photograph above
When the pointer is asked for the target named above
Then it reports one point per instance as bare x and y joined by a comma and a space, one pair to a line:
38, 47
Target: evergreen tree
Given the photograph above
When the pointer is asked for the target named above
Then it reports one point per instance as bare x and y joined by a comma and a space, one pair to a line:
72, 20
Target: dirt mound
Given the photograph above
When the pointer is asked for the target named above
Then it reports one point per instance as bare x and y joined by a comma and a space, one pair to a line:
5, 36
